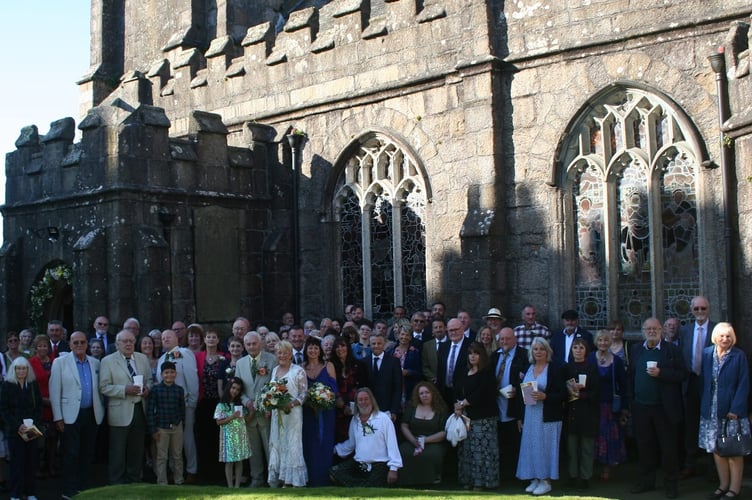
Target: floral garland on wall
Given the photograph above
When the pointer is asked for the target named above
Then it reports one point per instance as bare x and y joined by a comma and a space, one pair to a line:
44, 290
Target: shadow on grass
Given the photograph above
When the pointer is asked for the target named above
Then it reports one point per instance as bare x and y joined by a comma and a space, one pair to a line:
154, 492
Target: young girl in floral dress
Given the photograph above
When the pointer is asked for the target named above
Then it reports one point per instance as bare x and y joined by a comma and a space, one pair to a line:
233, 438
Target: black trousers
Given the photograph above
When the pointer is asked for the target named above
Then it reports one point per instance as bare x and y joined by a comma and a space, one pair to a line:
78, 447
509, 449
656, 437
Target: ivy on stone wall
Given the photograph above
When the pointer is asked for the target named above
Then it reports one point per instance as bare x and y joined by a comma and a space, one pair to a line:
45, 289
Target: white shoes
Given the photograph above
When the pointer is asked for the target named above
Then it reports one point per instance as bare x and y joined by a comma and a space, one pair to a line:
544, 487
533, 484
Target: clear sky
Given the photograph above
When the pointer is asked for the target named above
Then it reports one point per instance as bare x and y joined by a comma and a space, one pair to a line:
45, 51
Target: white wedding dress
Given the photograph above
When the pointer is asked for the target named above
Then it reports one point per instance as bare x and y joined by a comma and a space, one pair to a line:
286, 463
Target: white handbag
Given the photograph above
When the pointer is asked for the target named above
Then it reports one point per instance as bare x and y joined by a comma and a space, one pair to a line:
456, 428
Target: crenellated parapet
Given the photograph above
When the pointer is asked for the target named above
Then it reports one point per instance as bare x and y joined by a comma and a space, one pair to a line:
126, 146
323, 51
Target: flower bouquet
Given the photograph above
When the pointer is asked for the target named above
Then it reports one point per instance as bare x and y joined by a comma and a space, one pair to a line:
321, 397
274, 396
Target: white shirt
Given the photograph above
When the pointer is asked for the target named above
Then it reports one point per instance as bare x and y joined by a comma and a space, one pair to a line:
376, 441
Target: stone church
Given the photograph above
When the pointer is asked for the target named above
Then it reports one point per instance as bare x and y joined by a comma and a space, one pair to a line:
257, 156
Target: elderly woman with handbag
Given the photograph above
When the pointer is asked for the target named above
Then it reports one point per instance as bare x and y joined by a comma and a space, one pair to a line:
724, 389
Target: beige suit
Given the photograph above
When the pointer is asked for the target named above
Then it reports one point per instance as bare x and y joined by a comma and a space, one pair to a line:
126, 415
113, 377
65, 389
258, 426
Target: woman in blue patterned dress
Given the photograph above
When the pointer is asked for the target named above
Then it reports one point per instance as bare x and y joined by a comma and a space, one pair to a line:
725, 389
478, 456
318, 424
541, 428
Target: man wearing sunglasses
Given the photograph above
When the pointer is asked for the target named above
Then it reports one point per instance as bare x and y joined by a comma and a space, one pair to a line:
693, 338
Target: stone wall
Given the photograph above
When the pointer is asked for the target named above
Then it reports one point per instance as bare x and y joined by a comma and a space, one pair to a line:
126, 201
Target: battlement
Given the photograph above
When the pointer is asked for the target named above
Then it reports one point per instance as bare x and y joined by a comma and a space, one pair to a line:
126, 147
340, 50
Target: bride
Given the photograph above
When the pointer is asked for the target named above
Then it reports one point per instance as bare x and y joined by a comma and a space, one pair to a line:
286, 463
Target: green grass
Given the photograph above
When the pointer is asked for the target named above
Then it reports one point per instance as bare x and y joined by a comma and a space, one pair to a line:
154, 492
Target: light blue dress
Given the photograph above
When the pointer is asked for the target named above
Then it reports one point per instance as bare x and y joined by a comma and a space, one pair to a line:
539, 446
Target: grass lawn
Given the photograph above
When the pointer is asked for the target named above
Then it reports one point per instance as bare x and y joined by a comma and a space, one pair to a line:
153, 492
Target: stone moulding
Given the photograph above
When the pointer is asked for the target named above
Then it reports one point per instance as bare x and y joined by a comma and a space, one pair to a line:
347, 7
376, 28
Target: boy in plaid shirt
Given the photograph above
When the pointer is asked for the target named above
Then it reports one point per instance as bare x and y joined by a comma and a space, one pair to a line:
165, 416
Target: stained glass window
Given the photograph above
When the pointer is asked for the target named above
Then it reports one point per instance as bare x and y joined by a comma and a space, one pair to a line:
631, 172
380, 203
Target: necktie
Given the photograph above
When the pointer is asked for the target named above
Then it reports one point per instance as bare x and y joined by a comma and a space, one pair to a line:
130, 367
502, 366
375, 366
450, 371
253, 367
697, 362
298, 358
54, 351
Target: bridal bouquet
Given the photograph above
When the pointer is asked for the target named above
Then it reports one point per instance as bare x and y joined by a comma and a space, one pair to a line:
274, 396
321, 397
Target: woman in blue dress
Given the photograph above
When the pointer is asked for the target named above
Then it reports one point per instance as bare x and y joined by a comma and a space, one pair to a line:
318, 424
541, 428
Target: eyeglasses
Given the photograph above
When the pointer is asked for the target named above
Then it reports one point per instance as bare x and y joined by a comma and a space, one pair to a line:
103, 324
699, 308
419, 321
127, 341
79, 342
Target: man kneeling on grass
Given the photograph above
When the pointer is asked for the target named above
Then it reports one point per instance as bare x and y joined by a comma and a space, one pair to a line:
374, 441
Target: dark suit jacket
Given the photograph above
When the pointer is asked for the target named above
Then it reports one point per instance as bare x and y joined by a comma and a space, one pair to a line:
520, 364
686, 335
387, 387
673, 373
558, 343
460, 363
111, 346
61, 347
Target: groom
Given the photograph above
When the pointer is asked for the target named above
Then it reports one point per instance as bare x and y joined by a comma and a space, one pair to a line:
255, 370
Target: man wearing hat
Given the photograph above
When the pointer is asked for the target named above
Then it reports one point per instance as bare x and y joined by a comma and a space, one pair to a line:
494, 320
561, 342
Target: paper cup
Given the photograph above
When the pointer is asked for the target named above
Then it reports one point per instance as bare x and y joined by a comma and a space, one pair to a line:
582, 378
28, 422
422, 441
239, 409
138, 380
506, 391
352, 407
652, 364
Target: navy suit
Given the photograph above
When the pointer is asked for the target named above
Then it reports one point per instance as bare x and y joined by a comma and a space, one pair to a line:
691, 391
387, 385
460, 365
508, 432
559, 343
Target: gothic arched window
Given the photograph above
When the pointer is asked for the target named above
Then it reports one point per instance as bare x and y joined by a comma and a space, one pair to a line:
380, 202
629, 177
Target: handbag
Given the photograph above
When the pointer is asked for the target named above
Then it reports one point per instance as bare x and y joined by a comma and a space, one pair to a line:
456, 428
733, 445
